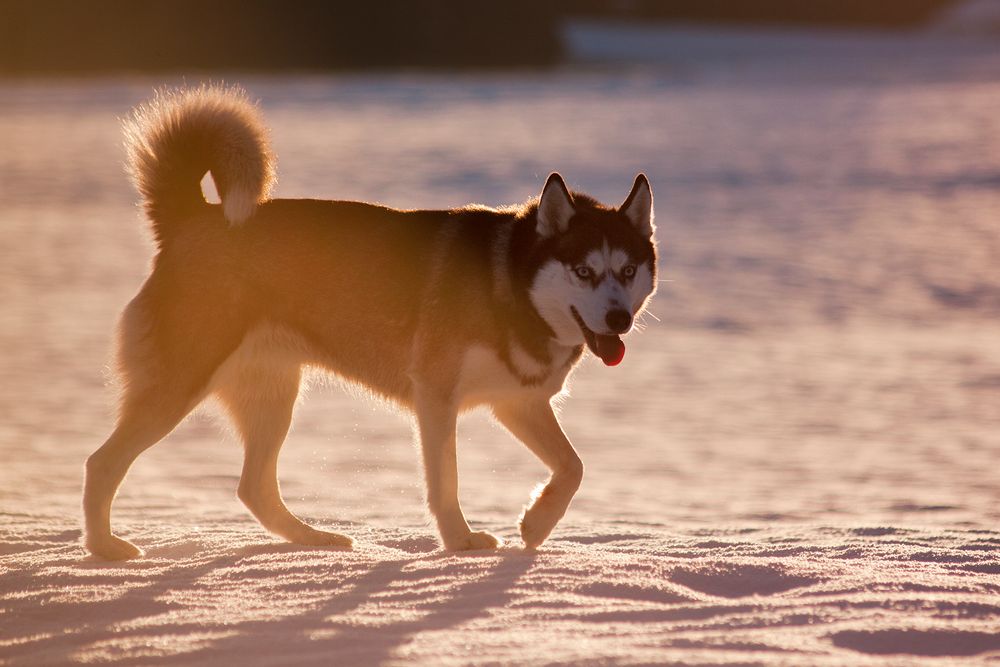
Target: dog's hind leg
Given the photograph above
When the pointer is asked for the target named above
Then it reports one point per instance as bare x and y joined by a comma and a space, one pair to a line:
535, 424
145, 419
260, 401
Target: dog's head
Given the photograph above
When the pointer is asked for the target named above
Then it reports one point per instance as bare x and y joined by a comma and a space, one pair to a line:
598, 268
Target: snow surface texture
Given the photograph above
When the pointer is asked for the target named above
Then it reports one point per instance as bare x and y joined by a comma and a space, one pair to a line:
798, 465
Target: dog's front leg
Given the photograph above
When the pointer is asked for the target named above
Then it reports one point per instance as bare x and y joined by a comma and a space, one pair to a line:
436, 421
534, 423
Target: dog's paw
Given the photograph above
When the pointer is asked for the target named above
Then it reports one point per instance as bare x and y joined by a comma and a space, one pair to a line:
312, 537
536, 524
473, 541
113, 548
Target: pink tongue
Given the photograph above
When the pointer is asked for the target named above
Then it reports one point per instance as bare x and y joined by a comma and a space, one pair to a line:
610, 349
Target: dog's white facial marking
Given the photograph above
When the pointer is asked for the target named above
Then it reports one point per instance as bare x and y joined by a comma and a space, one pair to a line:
552, 293
618, 260
641, 288
608, 262
611, 281
598, 260
609, 295
605, 281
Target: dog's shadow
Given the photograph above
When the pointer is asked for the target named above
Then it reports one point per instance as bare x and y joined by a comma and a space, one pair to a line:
297, 604
384, 609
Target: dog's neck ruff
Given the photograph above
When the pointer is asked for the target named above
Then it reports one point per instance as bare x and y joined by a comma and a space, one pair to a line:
529, 347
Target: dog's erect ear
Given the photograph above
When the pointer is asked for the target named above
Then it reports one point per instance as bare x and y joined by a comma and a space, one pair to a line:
555, 208
638, 206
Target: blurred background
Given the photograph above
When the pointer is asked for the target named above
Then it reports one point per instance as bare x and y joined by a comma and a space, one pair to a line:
826, 348
127, 36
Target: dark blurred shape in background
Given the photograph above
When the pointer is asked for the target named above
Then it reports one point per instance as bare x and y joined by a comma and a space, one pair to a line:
134, 35
74, 36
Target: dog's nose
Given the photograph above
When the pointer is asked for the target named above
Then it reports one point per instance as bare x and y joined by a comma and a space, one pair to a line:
618, 321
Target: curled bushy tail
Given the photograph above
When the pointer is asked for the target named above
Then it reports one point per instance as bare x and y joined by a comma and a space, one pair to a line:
179, 135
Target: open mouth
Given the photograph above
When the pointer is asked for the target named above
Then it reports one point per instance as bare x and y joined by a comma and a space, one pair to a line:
609, 347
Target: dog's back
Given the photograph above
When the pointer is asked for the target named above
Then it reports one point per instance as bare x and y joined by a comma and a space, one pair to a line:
348, 278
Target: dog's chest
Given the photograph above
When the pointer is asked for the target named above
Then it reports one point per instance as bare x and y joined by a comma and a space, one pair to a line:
486, 377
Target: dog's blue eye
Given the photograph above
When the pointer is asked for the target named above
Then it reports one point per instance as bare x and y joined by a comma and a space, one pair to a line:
629, 270
583, 272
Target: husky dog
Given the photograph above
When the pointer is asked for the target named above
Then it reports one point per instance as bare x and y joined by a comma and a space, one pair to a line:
435, 311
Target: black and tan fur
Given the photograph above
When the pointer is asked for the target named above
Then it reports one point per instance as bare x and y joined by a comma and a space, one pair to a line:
433, 310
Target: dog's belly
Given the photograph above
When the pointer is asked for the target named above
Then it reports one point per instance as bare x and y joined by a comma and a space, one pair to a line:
266, 350
270, 350
484, 378
371, 364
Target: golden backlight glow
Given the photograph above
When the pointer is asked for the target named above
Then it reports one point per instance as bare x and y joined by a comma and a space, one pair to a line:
795, 463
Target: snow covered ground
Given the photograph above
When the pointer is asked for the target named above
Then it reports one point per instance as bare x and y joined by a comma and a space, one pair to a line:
796, 465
